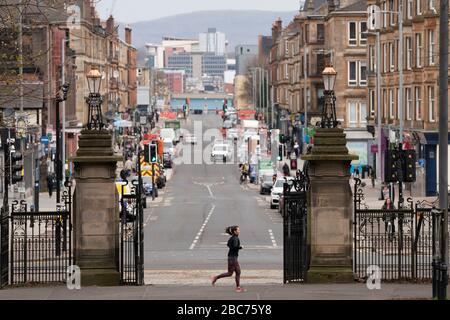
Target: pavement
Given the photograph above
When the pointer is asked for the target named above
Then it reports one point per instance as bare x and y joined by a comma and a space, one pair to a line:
354, 291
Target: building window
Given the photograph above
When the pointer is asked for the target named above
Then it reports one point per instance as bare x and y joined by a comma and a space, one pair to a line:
362, 73
391, 57
352, 41
431, 104
384, 58
418, 7
352, 114
352, 78
409, 104
392, 12
372, 62
409, 9
384, 14
372, 102
418, 50
363, 113
409, 52
391, 103
418, 94
320, 32
399, 106
363, 34
431, 47
286, 71
384, 103
431, 5
357, 113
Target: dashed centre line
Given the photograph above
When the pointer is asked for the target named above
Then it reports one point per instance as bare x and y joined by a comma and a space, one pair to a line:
200, 232
272, 237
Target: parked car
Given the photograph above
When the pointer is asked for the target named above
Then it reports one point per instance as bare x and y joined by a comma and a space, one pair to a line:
277, 191
167, 160
169, 147
266, 183
161, 180
232, 134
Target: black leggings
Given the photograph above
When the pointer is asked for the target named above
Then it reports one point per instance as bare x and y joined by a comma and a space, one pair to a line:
233, 266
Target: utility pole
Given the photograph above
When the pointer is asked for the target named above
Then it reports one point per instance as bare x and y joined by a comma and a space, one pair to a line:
378, 84
443, 139
305, 98
63, 81
400, 69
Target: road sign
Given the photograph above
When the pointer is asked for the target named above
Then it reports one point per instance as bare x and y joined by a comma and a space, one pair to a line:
374, 17
44, 140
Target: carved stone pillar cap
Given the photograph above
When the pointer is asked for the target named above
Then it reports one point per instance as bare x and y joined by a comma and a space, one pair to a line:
329, 144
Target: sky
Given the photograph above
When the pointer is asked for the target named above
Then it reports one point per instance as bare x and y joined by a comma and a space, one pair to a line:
130, 11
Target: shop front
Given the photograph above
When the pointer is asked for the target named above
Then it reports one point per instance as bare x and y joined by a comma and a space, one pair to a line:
359, 143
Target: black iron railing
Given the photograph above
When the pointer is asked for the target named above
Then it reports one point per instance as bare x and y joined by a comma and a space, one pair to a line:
397, 241
296, 262
40, 244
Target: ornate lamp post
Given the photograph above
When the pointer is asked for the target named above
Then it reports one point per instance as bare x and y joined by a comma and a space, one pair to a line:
329, 108
94, 100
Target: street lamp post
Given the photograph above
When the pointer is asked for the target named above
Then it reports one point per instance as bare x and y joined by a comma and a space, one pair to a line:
329, 119
94, 100
60, 97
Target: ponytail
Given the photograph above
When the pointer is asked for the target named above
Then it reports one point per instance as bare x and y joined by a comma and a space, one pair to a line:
231, 230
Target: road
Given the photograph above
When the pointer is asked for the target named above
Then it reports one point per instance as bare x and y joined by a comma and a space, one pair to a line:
184, 227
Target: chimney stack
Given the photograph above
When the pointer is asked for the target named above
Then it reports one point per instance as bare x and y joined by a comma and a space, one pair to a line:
110, 25
128, 34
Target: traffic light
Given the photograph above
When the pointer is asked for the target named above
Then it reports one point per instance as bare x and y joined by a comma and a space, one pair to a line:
280, 152
282, 138
16, 168
153, 153
391, 166
409, 169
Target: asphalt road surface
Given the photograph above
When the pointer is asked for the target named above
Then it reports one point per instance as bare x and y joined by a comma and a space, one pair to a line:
184, 227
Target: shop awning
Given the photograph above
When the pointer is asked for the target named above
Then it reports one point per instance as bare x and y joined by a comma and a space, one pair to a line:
433, 137
358, 135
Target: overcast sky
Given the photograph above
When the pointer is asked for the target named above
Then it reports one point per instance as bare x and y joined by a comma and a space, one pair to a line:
130, 11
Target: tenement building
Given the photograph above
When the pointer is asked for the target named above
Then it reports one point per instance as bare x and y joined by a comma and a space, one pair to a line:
323, 32
420, 78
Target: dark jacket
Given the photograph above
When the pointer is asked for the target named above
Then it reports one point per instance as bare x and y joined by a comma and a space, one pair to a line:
235, 245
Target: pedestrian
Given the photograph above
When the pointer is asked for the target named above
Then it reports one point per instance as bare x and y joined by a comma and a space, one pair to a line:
286, 170
389, 219
296, 148
385, 192
234, 246
50, 178
372, 176
128, 166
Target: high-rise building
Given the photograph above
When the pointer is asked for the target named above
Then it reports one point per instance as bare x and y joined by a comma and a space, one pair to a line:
213, 42
245, 56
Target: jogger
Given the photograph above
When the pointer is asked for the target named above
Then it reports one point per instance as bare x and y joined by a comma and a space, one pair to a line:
233, 264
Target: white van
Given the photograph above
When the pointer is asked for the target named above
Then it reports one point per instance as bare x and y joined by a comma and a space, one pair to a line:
221, 151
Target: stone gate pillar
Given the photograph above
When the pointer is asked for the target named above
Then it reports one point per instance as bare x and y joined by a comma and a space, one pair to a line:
96, 210
330, 208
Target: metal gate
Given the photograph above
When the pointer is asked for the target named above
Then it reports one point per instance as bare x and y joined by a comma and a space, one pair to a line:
36, 247
132, 234
295, 211
398, 241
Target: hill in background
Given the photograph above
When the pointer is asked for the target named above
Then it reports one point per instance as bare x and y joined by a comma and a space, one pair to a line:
240, 27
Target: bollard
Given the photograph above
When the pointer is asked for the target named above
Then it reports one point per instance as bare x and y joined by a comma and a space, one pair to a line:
443, 281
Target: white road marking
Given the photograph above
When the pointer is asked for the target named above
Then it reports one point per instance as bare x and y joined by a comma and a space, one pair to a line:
200, 232
148, 218
209, 189
274, 242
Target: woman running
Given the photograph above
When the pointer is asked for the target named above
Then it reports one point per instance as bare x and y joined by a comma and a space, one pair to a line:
233, 265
